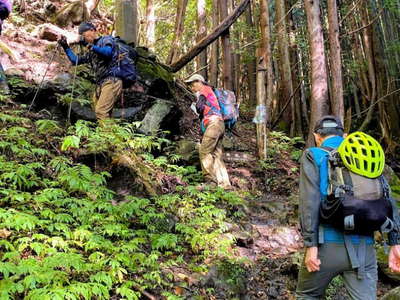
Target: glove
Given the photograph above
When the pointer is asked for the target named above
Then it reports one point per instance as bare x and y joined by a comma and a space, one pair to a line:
83, 42
63, 42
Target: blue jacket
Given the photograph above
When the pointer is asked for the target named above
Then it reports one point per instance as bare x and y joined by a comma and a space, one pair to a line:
99, 58
313, 188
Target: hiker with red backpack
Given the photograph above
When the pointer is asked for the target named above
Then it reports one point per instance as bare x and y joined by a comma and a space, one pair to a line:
213, 129
5, 10
113, 64
344, 199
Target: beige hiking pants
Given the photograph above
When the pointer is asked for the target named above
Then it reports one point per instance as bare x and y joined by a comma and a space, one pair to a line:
105, 97
211, 154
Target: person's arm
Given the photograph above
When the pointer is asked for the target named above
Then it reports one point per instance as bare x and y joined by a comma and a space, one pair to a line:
394, 240
200, 104
76, 59
106, 51
73, 58
310, 199
309, 210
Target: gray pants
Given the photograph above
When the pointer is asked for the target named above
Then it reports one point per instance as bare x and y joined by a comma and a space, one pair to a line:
335, 261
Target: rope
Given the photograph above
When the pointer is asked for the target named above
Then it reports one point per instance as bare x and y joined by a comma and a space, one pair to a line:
72, 91
44, 76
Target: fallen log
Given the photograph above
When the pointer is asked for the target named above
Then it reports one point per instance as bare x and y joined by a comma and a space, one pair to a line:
139, 169
203, 43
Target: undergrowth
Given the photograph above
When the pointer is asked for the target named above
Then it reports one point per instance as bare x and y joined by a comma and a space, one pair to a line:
281, 167
62, 238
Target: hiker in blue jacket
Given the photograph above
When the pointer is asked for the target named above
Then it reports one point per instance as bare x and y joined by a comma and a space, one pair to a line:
101, 58
329, 251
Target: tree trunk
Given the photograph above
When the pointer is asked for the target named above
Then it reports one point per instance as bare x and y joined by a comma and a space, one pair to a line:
227, 71
252, 64
319, 79
150, 24
213, 76
296, 78
261, 109
201, 33
335, 61
180, 20
265, 43
126, 21
285, 73
369, 53
236, 58
211, 37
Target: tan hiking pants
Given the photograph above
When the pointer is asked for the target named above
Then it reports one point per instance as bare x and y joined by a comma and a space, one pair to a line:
105, 97
211, 154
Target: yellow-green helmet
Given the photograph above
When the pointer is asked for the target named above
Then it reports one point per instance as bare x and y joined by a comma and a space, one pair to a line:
362, 154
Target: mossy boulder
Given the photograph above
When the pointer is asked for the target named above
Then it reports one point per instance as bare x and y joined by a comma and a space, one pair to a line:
154, 75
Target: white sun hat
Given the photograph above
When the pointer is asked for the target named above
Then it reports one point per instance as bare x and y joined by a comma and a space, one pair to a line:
195, 77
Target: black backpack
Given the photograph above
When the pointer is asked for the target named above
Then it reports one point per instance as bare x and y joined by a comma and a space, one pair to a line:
123, 62
355, 204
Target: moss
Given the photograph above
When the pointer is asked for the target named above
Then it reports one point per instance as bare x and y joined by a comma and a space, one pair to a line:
151, 70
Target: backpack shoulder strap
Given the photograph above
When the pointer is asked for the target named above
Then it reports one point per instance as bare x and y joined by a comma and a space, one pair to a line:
385, 187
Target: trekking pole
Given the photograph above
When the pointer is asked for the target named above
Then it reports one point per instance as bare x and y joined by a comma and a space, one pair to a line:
72, 91
44, 76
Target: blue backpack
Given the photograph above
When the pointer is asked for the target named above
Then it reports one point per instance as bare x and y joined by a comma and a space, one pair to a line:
123, 62
228, 106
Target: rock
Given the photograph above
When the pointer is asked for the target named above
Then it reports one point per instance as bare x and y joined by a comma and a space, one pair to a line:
52, 33
63, 80
87, 113
243, 239
187, 150
234, 156
392, 295
14, 72
277, 240
155, 115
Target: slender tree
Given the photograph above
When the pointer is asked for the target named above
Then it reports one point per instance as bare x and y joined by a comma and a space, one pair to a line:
264, 81
335, 61
201, 33
226, 49
213, 75
285, 73
319, 78
251, 64
179, 22
150, 24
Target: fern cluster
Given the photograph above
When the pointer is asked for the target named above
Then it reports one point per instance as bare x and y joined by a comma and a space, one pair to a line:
64, 237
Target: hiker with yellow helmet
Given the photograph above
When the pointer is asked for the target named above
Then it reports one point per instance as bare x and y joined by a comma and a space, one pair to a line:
344, 199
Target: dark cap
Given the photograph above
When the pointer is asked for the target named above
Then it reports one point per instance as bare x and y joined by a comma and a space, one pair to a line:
327, 122
85, 26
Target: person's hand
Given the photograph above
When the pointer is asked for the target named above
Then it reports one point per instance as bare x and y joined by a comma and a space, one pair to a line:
311, 259
63, 42
83, 42
394, 259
